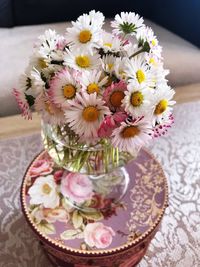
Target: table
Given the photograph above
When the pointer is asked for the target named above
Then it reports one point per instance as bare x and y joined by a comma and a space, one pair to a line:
177, 243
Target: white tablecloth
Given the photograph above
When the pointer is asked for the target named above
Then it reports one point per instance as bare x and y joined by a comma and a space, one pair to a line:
177, 244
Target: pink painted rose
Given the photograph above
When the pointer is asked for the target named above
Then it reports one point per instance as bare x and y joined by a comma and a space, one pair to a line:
98, 235
77, 187
41, 167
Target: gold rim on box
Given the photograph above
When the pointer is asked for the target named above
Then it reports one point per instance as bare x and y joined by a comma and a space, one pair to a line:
127, 245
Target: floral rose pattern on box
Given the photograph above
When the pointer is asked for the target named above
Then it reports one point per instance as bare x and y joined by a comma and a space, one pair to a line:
109, 224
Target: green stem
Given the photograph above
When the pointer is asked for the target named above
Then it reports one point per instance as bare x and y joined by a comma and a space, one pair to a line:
117, 156
137, 53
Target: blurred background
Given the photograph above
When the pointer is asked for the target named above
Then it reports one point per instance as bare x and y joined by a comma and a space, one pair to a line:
181, 17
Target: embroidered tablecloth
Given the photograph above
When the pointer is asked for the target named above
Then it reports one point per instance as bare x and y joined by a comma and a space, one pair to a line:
176, 244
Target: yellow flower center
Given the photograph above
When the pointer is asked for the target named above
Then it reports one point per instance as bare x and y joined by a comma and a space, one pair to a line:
116, 98
83, 61
123, 74
161, 107
137, 99
152, 61
110, 65
153, 42
69, 91
46, 189
108, 44
48, 108
85, 36
140, 76
42, 63
90, 114
130, 131
92, 88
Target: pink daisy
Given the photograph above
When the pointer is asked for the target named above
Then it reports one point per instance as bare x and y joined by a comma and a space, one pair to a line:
110, 123
131, 136
85, 114
162, 129
114, 95
23, 104
49, 111
63, 87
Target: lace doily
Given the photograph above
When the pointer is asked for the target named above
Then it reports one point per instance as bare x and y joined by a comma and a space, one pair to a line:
177, 242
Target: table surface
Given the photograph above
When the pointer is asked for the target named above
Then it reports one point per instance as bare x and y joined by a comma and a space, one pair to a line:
176, 244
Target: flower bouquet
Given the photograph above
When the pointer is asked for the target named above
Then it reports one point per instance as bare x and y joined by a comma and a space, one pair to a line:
101, 96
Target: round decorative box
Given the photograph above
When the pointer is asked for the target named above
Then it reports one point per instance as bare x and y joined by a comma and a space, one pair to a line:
134, 221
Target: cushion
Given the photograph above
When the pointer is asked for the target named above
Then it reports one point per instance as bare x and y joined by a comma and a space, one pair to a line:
180, 57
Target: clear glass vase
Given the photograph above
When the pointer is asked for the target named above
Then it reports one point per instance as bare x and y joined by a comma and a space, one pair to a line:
103, 164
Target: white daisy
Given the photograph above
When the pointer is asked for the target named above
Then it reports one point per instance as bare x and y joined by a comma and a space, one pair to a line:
85, 33
49, 49
119, 68
131, 136
108, 63
63, 87
146, 34
138, 70
50, 71
93, 81
127, 23
159, 74
25, 82
32, 83
49, 36
81, 61
85, 115
97, 18
131, 49
49, 111
137, 100
37, 62
57, 55
43, 191
111, 43
162, 103
47, 43
152, 59
38, 84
